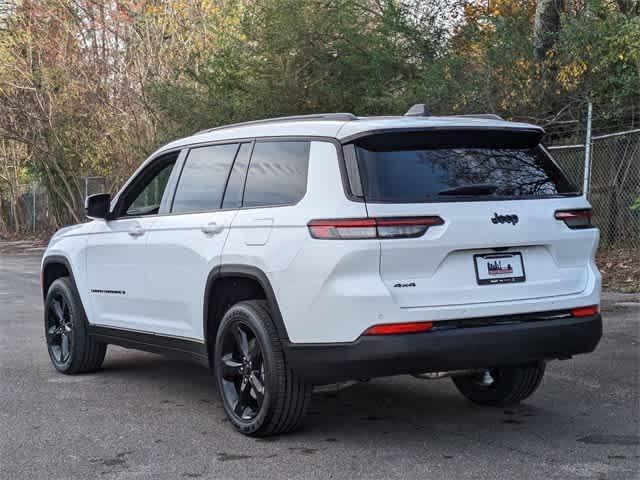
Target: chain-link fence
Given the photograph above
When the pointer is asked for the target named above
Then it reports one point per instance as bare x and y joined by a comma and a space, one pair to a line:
613, 183
95, 185
28, 209
571, 160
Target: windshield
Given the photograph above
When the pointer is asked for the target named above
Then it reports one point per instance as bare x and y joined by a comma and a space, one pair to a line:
441, 174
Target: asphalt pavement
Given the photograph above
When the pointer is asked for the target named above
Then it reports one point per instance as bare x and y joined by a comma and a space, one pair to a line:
148, 417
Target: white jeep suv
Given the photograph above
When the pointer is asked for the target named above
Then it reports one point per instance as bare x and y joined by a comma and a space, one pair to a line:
304, 251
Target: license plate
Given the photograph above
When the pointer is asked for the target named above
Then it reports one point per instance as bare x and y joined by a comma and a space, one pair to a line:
499, 268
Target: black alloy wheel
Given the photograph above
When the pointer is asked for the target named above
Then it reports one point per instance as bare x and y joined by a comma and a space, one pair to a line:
59, 329
260, 393
70, 347
243, 371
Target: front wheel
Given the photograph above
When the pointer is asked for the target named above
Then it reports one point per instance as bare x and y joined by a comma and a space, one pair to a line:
501, 386
70, 347
261, 395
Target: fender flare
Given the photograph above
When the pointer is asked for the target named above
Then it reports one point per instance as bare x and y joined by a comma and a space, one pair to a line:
251, 272
64, 261
56, 259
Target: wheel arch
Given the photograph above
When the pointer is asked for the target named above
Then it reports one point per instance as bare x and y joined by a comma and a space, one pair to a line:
54, 267
213, 316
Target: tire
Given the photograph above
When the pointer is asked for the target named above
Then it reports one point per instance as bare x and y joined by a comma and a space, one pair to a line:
510, 385
70, 348
261, 395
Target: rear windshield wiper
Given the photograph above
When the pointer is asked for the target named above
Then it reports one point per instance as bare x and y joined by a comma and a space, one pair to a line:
473, 189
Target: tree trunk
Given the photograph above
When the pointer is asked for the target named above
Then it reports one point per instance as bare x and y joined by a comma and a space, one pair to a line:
546, 27
16, 210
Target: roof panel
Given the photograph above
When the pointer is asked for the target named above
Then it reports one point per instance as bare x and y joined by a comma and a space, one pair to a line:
340, 129
316, 128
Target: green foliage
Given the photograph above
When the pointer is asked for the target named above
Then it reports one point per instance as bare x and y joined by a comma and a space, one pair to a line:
89, 88
371, 58
598, 57
488, 67
302, 56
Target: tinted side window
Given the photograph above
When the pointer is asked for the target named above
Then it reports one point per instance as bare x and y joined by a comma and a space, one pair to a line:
203, 178
277, 174
235, 185
145, 197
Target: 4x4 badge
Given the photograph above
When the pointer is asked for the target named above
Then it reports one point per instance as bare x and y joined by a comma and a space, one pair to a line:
512, 219
404, 285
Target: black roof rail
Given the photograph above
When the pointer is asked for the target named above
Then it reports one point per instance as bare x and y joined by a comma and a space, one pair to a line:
490, 116
418, 110
344, 117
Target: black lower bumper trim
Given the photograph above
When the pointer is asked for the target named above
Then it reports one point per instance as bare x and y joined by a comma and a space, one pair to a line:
452, 349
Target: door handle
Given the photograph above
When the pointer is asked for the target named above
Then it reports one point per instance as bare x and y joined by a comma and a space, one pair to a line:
212, 229
136, 231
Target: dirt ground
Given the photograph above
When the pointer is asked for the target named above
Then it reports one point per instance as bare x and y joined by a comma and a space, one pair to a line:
620, 269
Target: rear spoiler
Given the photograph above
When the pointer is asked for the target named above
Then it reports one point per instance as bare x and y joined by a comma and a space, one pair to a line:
449, 137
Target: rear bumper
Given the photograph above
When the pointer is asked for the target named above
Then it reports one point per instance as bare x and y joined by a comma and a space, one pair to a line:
465, 347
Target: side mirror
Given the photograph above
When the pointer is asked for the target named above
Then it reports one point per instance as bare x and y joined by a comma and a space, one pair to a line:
97, 206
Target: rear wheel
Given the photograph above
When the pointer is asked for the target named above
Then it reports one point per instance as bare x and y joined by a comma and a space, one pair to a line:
260, 393
70, 348
501, 386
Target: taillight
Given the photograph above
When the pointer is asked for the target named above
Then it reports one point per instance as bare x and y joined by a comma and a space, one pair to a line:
576, 218
363, 228
405, 227
398, 328
589, 311
355, 228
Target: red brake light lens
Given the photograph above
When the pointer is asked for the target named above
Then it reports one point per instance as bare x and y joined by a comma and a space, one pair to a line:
585, 311
345, 229
368, 228
576, 219
399, 328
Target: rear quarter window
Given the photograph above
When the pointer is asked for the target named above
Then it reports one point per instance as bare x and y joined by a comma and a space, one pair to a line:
277, 173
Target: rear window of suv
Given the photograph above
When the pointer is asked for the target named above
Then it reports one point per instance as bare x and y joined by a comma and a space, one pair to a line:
397, 171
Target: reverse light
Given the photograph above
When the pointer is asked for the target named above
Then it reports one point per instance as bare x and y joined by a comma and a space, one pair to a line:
368, 228
399, 328
585, 311
576, 219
